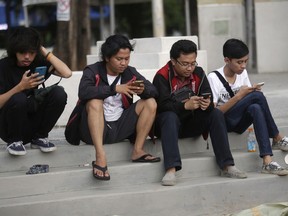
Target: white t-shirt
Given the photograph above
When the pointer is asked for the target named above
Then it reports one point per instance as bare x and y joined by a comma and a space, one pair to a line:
220, 94
113, 105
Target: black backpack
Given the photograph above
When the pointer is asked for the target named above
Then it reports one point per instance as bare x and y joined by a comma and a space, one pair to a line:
72, 133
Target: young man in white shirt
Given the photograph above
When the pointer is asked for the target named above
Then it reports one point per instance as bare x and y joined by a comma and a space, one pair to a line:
247, 105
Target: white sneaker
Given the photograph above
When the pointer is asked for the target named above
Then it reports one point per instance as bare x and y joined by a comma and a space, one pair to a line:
282, 144
274, 168
44, 144
16, 148
169, 179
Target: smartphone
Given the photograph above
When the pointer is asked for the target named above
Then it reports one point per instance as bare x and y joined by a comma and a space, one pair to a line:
137, 82
41, 70
206, 95
260, 84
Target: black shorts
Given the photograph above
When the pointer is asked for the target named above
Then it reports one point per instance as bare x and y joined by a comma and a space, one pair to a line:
116, 131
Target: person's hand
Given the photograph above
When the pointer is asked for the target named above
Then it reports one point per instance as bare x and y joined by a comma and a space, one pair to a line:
129, 89
244, 90
30, 81
43, 51
137, 89
204, 103
257, 87
193, 103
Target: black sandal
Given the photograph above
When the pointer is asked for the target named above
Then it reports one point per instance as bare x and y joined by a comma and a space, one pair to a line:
102, 169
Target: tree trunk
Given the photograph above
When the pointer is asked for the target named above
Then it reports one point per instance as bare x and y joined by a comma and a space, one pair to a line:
194, 17
74, 36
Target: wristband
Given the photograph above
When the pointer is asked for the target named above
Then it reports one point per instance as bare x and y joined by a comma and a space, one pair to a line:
48, 56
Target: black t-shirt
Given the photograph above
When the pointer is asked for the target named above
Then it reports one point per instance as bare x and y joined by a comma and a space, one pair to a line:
11, 74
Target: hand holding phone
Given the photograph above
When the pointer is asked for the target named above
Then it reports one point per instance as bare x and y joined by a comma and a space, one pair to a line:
205, 95
41, 70
260, 84
137, 83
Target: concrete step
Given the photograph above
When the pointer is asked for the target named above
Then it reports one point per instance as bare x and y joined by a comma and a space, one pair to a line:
191, 196
153, 61
123, 173
69, 155
134, 189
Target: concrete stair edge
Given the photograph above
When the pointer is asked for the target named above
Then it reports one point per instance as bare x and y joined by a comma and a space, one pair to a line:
153, 198
67, 154
122, 174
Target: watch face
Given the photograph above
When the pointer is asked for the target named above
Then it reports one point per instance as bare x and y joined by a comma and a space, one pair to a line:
286, 159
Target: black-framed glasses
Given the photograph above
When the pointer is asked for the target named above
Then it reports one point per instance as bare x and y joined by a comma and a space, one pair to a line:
186, 65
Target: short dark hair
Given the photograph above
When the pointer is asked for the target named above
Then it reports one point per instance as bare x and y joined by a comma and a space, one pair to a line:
182, 47
235, 48
23, 39
113, 44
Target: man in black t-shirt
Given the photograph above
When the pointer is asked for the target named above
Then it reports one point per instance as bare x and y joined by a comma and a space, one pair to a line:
23, 118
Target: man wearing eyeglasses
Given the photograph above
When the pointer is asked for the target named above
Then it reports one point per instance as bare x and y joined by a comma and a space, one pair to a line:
185, 110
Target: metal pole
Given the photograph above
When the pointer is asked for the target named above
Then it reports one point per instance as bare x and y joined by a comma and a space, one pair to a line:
187, 17
112, 17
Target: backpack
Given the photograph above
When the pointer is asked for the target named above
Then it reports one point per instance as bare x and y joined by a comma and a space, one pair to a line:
71, 132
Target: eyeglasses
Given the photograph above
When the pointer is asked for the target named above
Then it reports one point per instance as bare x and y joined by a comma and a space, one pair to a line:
186, 65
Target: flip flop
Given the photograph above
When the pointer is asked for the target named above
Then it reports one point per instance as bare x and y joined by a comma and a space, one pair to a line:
144, 159
102, 169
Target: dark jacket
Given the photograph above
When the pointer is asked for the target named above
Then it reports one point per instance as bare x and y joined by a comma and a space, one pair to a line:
94, 84
165, 81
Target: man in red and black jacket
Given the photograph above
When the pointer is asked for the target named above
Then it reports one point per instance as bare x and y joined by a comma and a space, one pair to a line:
107, 88
190, 116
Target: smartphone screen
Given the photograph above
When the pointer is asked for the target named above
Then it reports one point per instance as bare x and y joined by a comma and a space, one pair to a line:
41, 70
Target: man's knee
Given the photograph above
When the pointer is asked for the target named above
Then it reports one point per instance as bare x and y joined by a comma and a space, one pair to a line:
147, 104
94, 105
255, 108
151, 104
58, 95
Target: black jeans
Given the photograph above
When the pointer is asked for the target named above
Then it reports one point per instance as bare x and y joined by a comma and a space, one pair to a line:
170, 128
19, 121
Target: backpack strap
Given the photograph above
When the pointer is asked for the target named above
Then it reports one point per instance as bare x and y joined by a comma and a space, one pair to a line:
225, 83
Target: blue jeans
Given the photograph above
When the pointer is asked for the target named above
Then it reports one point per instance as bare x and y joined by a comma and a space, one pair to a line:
169, 127
253, 109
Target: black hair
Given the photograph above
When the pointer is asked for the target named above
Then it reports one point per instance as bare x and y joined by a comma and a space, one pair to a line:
235, 48
113, 44
23, 39
182, 47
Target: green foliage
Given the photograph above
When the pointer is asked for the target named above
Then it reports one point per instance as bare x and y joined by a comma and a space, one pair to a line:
134, 20
174, 11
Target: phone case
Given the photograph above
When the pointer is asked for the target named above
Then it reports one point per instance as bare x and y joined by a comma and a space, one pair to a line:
41, 70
